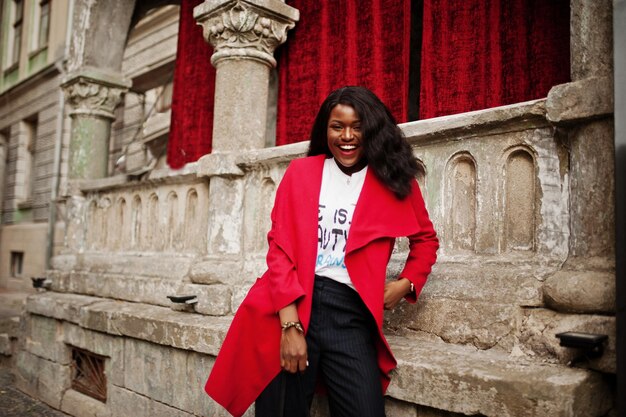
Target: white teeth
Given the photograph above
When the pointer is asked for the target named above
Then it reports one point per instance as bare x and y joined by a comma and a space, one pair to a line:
347, 147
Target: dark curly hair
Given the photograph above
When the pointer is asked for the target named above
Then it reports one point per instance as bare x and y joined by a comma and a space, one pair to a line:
386, 150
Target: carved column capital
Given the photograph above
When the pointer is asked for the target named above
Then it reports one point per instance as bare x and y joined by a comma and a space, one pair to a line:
94, 93
245, 28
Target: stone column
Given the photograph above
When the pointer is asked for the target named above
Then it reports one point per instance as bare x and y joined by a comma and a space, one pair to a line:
93, 95
583, 112
244, 34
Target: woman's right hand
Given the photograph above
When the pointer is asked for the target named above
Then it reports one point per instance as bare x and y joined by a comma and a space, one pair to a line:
293, 356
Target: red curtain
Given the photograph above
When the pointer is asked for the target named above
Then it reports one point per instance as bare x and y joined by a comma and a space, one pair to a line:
194, 87
338, 43
484, 53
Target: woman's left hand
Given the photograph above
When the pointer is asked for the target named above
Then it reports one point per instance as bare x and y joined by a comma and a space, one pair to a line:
395, 291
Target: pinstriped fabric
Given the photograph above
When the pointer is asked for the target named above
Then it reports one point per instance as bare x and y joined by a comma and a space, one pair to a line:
341, 353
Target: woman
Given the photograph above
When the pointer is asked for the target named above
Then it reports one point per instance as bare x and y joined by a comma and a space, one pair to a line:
316, 314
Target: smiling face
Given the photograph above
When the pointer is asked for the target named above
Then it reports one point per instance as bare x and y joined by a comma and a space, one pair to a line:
345, 139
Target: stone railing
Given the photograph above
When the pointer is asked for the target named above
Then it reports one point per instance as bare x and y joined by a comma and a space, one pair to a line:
493, 182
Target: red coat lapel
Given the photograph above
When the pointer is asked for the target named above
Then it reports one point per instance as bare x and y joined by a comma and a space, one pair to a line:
379, 213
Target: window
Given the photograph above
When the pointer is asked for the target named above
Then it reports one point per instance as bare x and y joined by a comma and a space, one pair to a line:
44, 23
41, 26
18, 20
17, 264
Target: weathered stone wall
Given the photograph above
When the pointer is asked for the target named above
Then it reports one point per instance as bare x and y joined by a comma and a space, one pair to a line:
482, 322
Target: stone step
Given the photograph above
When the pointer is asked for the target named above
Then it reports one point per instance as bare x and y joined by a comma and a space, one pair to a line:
492, 383
430, 372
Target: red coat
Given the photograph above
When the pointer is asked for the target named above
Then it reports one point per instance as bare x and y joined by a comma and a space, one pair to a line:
249, 358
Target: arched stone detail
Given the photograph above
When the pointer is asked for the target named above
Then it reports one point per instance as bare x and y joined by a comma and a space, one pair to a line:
136, 240
421, 174
519, 199
264, 222
172, 224
104, 217
460, 203
121, 217
153, 238
192, 235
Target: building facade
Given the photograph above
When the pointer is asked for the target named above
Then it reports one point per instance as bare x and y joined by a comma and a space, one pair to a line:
521, 195
31, 137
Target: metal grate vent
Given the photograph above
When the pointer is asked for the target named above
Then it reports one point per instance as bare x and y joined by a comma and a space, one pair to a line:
88, 374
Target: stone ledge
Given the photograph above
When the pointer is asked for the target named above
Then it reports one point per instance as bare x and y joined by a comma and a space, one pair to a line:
430, 373
514, 117
463, 380
159, 325
579, 100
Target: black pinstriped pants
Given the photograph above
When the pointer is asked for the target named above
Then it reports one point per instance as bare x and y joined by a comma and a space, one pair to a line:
341, 352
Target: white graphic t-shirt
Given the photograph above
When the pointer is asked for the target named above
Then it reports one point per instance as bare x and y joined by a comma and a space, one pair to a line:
338, 198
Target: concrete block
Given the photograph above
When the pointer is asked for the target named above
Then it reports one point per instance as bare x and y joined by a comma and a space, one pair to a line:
502, 282
75, 403
198, 368
539, 327
481, 324
222, 270
41, 378
161, 325
138, 289
58, 305
161, 363
177, 377
463, 380
125, 403
580, 100
44, 338
26, 372
581, 292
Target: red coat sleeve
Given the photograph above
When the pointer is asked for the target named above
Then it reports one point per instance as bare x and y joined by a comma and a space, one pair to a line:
282, 273
423, 246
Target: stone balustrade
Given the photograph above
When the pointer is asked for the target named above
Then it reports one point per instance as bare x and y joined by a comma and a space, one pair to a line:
493, 181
